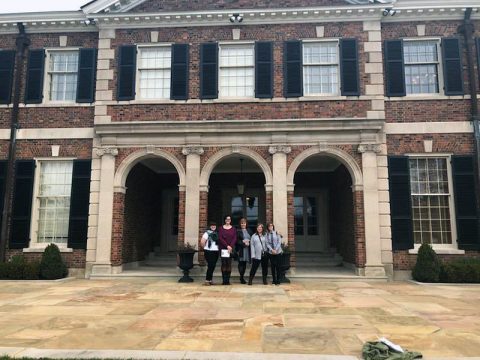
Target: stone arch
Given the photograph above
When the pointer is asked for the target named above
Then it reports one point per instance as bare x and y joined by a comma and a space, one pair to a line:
341, 155
131, 160
224, 153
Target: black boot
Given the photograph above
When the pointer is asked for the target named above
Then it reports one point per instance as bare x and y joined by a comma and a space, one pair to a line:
250, 279
242, 280
224, 278
265, 280
227, 278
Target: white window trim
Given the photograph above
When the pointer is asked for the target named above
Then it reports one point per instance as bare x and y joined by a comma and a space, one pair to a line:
34, 245
137, 70
441, 83
47, 78
442, 248
219, 69
322, 95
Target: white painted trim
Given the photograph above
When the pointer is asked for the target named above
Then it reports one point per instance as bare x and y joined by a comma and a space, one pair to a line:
427, 97
439, 250
46, 134
447, 127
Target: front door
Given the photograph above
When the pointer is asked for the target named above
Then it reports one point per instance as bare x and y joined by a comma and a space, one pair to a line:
311, 221
169, 220
251, 206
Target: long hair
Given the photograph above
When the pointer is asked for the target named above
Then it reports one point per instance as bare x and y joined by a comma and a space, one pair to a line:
240, 222
263, 229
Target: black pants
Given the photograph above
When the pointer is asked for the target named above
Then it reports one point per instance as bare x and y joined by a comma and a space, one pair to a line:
255, 265
274, 263
242, 267
211, 257
226, 265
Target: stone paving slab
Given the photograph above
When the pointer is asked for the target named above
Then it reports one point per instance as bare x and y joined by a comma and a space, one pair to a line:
308, 316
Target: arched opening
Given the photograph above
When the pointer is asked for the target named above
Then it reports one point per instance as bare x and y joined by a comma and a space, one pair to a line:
151, 213
237, 187
323, 213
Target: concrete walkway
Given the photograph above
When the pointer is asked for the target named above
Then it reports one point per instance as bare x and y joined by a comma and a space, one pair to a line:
306, 317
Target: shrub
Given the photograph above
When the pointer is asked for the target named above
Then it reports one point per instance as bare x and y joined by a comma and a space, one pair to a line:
427, 268
15, 267
186, 248
31, 271
3, 270
52, 266
461, 271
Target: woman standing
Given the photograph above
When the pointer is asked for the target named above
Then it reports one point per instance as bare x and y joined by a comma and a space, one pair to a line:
274, 246
258, 249
209, 243
227, 236
243, 248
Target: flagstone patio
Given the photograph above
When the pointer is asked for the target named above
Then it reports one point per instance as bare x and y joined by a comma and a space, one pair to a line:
306, 317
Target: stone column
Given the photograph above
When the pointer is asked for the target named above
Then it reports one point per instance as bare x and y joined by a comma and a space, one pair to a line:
373, 266
103, 263
280, 193
192, 193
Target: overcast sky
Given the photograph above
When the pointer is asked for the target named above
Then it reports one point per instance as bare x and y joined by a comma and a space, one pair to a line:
12, 6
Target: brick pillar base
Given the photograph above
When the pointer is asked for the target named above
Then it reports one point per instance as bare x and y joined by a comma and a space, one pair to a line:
203, 223
291, 227
181, 218
117, 228
359, 229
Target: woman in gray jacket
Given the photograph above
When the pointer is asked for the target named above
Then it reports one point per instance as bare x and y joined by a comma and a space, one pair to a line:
274, 246
259, 254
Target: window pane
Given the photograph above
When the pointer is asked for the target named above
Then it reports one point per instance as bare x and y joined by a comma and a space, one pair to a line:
320, 79
421, 79
156, 58
155, 84
63, 75
320, 53
54, 196
236, 77
420, 51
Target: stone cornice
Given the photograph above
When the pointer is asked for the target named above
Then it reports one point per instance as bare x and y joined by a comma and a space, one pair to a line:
363, 148
74, 21
197, 150
279, 149
106, 151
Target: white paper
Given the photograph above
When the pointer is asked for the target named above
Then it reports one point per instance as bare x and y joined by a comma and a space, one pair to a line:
391, 344
225, 253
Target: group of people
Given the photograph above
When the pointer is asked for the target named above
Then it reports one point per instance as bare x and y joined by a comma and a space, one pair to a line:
229, 243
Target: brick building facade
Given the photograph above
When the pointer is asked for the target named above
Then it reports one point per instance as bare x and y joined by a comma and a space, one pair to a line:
349, 125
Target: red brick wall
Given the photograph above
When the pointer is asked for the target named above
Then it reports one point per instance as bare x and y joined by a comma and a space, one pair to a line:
359, 228
185, 5
118, 222
458, 144
402, 260
427, 111
73, 260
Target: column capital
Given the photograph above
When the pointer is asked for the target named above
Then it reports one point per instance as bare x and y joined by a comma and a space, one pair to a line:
363, 148
106, 151
187, 150
279, 149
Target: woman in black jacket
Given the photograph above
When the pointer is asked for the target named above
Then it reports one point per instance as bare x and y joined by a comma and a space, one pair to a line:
243, 248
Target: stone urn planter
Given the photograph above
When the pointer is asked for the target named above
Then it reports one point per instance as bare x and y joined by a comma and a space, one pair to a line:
185, 256
284, 264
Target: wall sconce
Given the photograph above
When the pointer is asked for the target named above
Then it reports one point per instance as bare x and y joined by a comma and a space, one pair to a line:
389, 12
89, 21
236, 18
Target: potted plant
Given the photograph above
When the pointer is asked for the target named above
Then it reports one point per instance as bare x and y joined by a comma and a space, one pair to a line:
284, 263
185, 253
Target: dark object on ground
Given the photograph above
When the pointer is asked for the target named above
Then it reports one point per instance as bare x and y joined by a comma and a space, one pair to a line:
376, 350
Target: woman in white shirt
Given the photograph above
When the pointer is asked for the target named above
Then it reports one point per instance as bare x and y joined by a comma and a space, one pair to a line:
209, 243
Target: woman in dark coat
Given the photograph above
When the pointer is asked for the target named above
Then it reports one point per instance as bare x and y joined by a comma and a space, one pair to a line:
227, 238
243, 248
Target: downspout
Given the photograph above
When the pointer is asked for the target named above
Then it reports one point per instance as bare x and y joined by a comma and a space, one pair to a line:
22, 43
468, 30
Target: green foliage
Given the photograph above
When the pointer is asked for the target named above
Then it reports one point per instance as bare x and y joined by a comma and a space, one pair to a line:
3, 270
15, 267
52, 266
31, 271
466, 270
186, 248
427, 267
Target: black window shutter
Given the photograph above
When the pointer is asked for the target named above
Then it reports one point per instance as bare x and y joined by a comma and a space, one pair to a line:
292, 69
349, 67
209, 71
452, 66
3, 174
79, 203
478, 58
127, 67
7, 66
87, 65
22, 204
34, 87
463, 169
400, 202
264, 69
179, 78
394, 68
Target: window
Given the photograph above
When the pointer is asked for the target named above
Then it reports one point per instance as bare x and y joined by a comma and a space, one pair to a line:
320, 68
237, 70
421, 66
63, 75
246, 207
155, 72
53, 201
431, 201
306, 215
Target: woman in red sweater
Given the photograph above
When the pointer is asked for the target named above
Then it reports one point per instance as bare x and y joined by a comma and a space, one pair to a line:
227, 236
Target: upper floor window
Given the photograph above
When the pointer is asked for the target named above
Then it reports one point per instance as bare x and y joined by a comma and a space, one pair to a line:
62, 75
421, 66
237, 70
321, 68
154, 72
